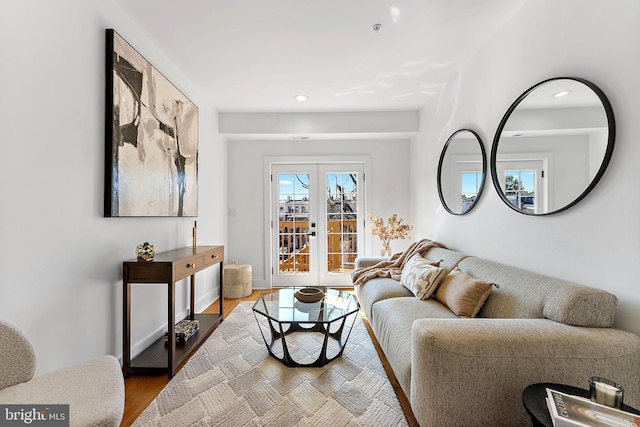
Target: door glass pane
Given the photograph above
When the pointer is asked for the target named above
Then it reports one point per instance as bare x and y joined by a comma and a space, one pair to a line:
520, 189
293, 223
342, 221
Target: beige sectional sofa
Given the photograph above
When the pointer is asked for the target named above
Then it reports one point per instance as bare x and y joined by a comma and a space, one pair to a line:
472, 371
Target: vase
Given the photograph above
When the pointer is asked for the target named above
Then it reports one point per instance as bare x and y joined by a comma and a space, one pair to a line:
386, 249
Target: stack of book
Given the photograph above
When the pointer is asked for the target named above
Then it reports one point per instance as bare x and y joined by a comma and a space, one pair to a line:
568, 410
184, 329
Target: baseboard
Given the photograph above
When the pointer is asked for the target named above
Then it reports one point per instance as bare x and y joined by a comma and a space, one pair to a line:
260, 284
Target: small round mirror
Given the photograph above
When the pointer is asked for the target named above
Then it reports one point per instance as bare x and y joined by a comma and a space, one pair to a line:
461, 171
552, 146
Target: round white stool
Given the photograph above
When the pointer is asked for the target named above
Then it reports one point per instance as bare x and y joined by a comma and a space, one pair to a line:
237, 281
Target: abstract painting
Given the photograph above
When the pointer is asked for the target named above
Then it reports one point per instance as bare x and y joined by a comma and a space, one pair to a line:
151, 137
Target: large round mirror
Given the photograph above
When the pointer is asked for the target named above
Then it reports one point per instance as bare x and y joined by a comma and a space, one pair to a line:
461, 171
552, 146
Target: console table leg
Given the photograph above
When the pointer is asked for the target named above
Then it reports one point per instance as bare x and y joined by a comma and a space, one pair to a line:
126, 326
171, 329
221, 277
192, 299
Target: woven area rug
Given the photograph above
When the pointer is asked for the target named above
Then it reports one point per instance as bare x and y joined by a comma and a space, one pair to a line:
232, 381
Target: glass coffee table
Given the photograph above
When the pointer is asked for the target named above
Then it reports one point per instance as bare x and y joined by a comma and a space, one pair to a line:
305, 334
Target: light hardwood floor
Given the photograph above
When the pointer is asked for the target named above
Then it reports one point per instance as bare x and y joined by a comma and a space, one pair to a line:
140, 390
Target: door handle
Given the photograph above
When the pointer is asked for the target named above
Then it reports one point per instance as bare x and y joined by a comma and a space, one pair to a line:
312, 234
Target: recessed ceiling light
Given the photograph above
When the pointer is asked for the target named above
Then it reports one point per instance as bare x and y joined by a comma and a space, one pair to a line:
301, 98
562, 93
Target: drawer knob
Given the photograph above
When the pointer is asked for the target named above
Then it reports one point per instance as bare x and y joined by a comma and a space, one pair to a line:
214, 256
191, 265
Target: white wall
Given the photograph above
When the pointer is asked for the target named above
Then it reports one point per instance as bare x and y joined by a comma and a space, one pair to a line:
60, 260
388, 179
596, 242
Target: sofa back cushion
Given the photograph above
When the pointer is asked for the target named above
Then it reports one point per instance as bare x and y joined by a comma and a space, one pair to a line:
523, 294
448, 259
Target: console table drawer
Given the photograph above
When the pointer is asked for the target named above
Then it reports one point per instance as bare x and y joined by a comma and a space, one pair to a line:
214, 257
187, 268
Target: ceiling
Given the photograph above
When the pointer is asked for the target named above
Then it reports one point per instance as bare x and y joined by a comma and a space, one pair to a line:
254, 56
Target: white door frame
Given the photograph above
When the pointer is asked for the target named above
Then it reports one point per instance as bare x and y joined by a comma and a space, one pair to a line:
539, 162
267, 208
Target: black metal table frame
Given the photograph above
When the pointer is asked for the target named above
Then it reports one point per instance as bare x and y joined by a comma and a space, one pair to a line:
318, 326
533, 399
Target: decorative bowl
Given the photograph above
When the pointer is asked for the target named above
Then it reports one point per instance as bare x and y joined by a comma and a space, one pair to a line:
309, 294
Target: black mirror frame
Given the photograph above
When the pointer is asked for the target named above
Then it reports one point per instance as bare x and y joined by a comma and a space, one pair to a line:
603, 166
484, 172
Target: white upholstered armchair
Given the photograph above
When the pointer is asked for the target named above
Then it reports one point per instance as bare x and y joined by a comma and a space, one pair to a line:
93, 390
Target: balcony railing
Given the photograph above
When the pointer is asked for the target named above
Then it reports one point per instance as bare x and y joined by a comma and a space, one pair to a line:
294, 250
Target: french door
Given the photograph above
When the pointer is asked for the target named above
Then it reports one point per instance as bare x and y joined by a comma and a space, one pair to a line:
316, 223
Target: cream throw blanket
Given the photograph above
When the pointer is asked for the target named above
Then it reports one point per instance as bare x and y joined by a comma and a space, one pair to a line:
393, 267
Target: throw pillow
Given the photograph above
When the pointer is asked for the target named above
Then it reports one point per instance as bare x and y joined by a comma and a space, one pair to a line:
463, 294
421, 276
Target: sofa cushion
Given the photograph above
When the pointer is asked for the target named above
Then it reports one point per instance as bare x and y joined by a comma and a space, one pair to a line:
526, 295
376, 290
463, 294
448, 259
422, 276
393, 318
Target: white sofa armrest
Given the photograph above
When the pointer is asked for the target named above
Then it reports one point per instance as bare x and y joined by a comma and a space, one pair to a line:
473, 371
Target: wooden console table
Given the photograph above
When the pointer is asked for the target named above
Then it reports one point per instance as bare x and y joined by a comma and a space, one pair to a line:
169, 267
